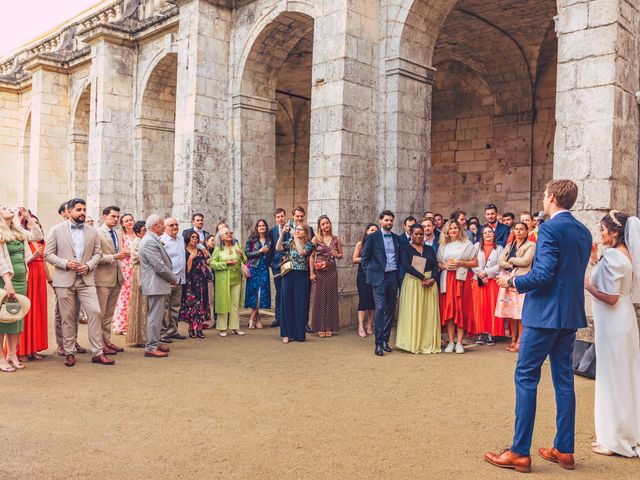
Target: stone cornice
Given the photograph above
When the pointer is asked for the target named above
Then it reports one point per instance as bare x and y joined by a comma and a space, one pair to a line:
409, 69
257, 104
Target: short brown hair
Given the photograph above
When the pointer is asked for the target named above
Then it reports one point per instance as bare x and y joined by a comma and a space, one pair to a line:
565, 191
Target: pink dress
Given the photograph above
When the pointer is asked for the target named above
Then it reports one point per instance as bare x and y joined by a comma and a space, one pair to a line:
120, 315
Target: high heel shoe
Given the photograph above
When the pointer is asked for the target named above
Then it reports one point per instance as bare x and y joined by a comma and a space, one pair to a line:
13, 360
199, 334
192, 334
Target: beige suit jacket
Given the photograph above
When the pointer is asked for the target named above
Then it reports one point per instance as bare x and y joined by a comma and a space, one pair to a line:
59, 251
108, 273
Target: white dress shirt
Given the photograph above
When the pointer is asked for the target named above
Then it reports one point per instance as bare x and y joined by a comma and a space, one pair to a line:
77, 237
176, 251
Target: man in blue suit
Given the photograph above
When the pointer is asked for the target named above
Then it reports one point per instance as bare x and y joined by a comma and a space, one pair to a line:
380, 262
553, 311
276, 260
501, 230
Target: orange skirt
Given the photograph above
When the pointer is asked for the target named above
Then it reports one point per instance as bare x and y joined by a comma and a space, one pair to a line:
485, 299
457, 303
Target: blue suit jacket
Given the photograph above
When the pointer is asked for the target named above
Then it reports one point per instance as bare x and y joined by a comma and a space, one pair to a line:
374, 257
555, 284
277, 257
502, 233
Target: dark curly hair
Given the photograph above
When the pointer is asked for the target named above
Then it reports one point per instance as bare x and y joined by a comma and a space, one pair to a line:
615, 222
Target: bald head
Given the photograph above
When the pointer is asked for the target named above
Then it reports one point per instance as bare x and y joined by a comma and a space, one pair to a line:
171, 227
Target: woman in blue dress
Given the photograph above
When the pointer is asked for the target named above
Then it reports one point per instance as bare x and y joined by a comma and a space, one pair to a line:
259, 251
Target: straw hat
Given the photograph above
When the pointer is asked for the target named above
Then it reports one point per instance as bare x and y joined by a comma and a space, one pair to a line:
14, 309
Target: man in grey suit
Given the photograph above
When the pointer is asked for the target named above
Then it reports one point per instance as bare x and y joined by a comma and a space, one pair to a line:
157, 283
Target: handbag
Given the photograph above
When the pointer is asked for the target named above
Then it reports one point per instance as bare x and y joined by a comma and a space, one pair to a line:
320, 265
246, 271
14, 309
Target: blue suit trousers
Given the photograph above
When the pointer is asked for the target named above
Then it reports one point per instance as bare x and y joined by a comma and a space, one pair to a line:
535, 345
384, 298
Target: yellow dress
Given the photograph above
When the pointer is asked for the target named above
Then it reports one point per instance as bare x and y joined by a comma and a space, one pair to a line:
418, 317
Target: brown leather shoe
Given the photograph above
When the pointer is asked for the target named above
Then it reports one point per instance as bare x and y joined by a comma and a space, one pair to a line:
80, 349
70, 360
114, 347
565, 460
164, 349
102, 360
508, 459
156, 354
108, 351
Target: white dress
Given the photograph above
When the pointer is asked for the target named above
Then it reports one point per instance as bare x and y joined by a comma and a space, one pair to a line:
617, 399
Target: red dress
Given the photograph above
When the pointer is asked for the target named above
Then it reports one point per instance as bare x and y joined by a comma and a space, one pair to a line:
34, 336
485, 299
457, 303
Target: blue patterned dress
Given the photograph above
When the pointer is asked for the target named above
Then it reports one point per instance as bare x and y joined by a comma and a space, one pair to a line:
259, 282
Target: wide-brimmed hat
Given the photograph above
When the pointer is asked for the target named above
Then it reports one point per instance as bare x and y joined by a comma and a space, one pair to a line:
14, 309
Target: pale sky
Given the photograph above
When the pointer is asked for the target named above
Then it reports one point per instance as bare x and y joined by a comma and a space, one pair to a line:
24, 20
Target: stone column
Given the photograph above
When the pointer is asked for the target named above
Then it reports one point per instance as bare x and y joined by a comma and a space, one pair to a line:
596, 140
405, 159
110, 170
254, 123
343, 154
11, 192
48, 182
202, 164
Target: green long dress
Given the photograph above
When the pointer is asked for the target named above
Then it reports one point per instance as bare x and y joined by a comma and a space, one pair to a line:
19, 281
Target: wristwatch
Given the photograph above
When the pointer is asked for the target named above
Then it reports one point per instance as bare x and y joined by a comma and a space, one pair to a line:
511, 283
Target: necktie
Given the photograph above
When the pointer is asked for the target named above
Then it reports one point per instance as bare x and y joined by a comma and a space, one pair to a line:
77, 227
115, 241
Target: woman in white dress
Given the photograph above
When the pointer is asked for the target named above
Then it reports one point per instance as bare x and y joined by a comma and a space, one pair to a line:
613, 282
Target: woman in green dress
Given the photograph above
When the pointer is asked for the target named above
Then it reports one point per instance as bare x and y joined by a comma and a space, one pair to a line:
14, 256
227, 259
418, 312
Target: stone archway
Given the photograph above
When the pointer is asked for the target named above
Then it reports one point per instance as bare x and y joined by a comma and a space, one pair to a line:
79, 145
155, 138
272, 120
463, 86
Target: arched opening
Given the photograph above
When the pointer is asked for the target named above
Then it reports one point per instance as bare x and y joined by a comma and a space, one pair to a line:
155, 134
490, 112
273, 111
79, 145
25, 153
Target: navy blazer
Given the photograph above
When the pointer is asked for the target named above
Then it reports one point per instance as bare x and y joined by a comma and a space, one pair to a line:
374, 257
277, 256
502, 233
555, 284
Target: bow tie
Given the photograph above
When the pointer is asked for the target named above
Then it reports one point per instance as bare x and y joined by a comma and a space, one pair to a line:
387, 235
77, 227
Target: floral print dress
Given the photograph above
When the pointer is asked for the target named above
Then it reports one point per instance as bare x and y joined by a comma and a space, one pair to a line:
121, 313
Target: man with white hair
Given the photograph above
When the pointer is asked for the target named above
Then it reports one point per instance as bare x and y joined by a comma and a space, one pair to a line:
157, 283
174, 245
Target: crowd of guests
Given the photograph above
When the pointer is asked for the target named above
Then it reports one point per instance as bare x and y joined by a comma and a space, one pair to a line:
446, 279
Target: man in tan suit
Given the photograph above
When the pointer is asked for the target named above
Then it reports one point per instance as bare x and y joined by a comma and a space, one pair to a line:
108, 275
74, 251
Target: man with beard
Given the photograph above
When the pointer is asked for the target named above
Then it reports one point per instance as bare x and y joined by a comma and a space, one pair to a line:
74, 251
380, 262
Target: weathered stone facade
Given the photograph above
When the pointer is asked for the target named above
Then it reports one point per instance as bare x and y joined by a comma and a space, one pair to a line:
234, 107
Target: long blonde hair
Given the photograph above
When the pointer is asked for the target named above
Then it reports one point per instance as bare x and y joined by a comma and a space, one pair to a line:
13, 232
444, 236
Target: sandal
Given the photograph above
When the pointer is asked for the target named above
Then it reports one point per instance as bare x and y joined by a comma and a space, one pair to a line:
516, 349
13, 360
238, 332
602, 450
361, 331
259, 325
321, 334
285, 340
37, 356
328, 334
252, 324
6, 367
23, 358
